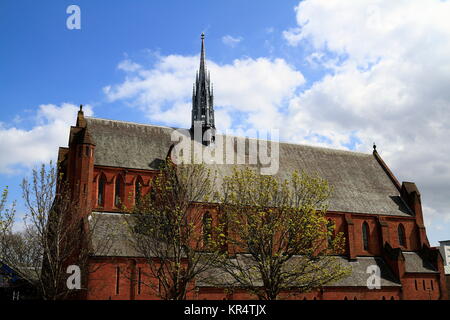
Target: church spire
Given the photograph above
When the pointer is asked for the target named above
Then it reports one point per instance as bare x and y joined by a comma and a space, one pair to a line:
202, 100
203, 56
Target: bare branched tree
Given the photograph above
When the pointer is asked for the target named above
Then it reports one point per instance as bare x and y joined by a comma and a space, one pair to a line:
7, 216
7, 212
55, 236
171, 231
278, 237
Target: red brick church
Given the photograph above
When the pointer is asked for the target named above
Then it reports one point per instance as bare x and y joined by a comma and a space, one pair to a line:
381, 218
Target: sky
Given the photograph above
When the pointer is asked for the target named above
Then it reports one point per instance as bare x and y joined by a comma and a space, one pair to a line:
339, 74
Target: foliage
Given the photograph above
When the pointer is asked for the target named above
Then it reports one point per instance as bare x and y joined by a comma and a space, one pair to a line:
278, 233
168, 228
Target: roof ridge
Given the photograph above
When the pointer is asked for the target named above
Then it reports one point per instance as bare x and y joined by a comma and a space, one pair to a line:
133, 123
387, 170
236, 136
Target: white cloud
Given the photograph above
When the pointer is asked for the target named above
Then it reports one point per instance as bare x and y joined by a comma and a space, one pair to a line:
231, 41
129, 66
20, 147
256, 89
390, 80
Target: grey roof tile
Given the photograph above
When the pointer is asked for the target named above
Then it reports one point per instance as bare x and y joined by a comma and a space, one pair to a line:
357, 278
359, 275
415, 264
447, 270
111, 235
359, 183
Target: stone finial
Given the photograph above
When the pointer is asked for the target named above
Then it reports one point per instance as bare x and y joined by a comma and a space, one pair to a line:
81, 122
374, 147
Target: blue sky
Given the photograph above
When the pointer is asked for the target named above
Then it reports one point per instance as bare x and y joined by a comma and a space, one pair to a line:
330, 73
51, 63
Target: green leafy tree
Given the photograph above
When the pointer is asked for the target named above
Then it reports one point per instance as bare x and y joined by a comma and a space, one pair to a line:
278, 236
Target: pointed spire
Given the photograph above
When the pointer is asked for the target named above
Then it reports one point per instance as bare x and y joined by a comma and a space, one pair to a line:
202, 55
202, 99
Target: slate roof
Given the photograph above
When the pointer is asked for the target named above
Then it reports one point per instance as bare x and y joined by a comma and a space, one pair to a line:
115, 227
128, 145
357, 278
359, 275
359, 183
447, 270
415, 264
30, 274
111, 235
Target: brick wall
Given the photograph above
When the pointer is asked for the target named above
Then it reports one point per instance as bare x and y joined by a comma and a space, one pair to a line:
447, 277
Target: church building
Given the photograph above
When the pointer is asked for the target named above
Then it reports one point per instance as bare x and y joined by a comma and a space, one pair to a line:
106, 161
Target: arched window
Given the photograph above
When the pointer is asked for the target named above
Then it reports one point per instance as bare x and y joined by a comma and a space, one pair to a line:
401, 235
330, 232
365, 235
384, 298
392, 298
101, 191
207, 228
153, 185
137, 190
415, 284
118, 194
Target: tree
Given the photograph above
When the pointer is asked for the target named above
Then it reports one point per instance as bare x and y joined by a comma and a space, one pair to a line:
168, 228
55, 236
278, 236
7, 214
18, 249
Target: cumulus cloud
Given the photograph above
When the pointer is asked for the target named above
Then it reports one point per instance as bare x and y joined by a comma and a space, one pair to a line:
21, 147
389, 84
231, 41
252, 90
